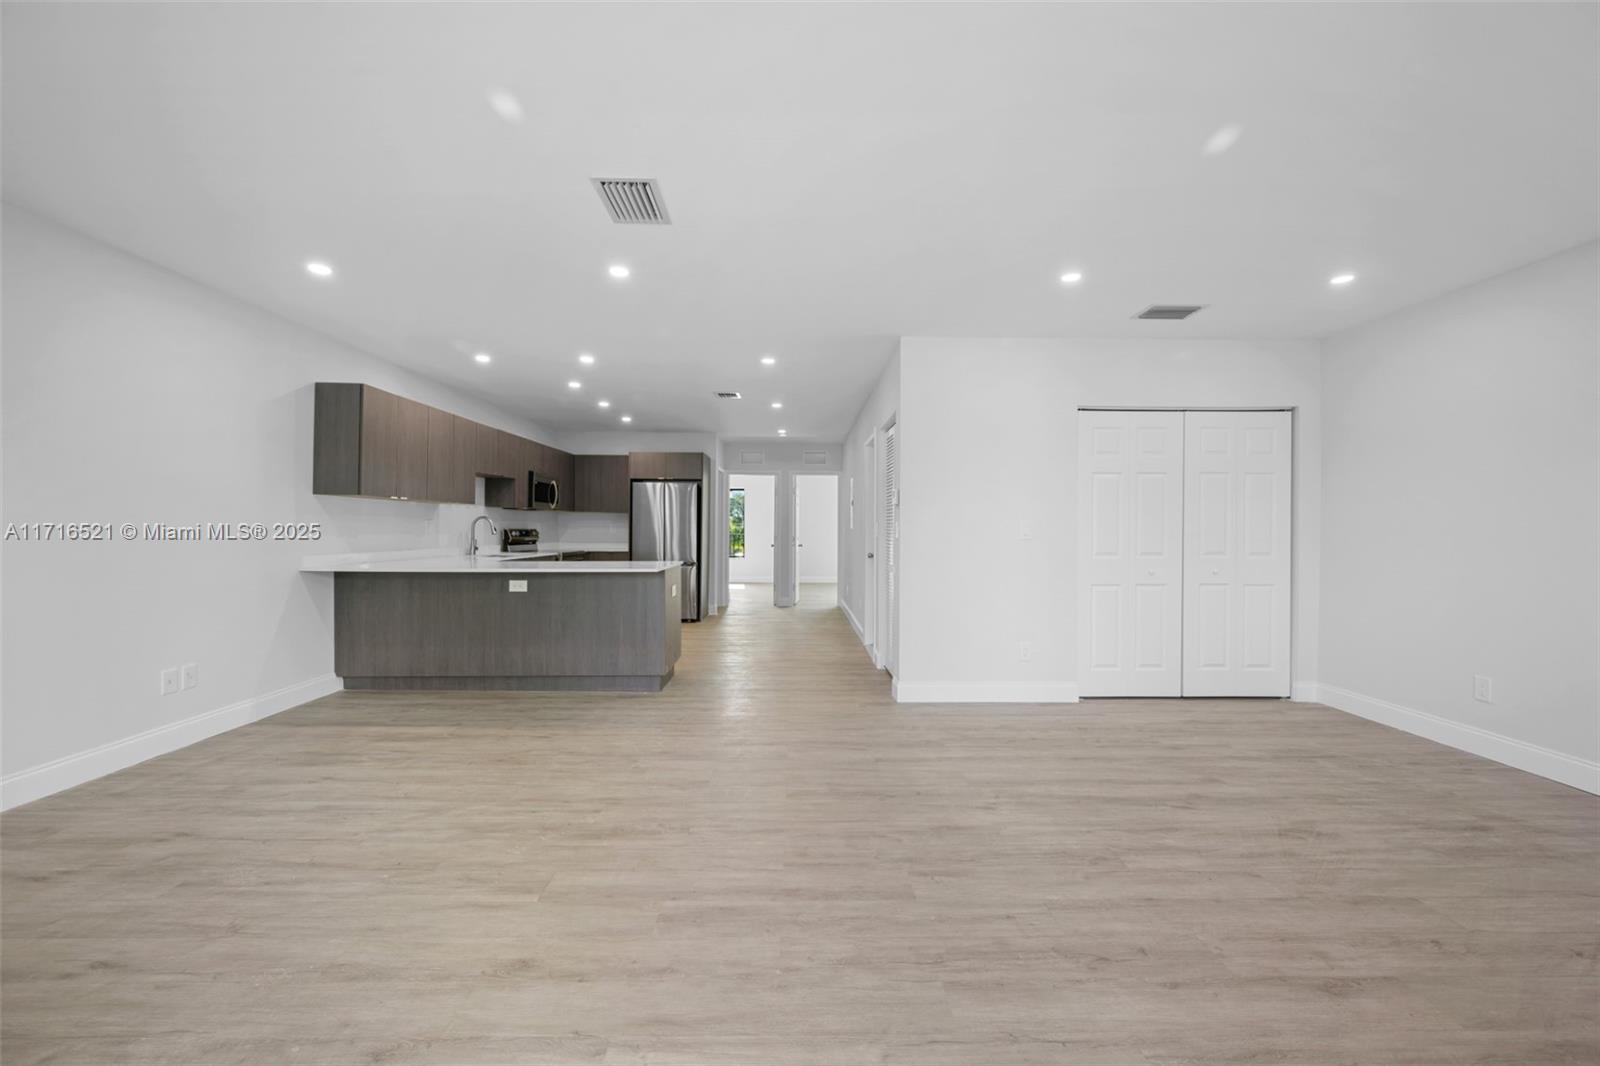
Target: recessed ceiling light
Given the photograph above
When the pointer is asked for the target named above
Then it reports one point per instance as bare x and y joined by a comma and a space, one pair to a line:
1071, 277
776, 404
506, 105
586, 359
618, 271
767, 360
483, 357
574, 384
319, 269
1341, 279
783, 433
1222, 140
626, 418
604, 403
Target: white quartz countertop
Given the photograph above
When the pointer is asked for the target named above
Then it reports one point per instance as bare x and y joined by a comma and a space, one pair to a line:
455, 563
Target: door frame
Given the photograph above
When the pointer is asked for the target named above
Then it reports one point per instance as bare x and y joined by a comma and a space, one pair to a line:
1293, 411
869, 561
888, 620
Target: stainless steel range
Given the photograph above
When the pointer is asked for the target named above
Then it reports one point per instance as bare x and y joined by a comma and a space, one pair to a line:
519, 540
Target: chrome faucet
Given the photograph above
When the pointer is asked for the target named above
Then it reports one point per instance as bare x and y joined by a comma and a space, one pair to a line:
472, 534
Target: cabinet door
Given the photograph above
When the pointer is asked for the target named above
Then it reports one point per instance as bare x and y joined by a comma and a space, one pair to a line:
586, 482
647, 465
449, 480
564, 473
529, 454
685, 465
465, 434
380, 426
610, 479
488, 451
411, 450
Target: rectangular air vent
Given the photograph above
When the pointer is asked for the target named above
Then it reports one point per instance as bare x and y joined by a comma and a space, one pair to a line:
1168, 312
729, 396
752, 458
633, 200
814, 458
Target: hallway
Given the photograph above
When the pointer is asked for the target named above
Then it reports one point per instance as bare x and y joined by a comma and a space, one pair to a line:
771, 862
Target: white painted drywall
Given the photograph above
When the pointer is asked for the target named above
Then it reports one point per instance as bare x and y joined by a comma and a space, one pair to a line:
1460, 531
817, 527
759, 502
135, 395
856, 498
988, 449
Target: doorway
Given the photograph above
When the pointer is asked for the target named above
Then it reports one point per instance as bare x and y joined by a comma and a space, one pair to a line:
1184, 553
816, 542
752, 533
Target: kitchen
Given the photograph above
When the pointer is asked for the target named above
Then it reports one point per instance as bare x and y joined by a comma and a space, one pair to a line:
511, 613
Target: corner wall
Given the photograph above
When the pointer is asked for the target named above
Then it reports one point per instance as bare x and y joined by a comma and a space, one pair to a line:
132, 394
1461, 534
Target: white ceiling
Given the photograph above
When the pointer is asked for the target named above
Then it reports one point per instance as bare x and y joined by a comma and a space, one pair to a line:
838, 176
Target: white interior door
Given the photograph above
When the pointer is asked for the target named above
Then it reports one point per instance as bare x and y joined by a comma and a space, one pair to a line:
1236, 553
1130, 553
889, 534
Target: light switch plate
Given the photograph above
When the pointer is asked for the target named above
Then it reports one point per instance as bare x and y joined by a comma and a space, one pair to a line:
189, 677
169, 680
518, 586
1482, 688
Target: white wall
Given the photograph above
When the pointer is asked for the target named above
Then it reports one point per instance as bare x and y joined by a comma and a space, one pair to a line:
134, 395
988, 445
756, 566
817, 527
856, 500
1461, 533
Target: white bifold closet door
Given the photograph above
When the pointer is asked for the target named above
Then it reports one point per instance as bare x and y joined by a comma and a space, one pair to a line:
1130, 535
1236, 553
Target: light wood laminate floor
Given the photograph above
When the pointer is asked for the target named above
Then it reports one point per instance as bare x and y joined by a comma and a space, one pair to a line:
770, 862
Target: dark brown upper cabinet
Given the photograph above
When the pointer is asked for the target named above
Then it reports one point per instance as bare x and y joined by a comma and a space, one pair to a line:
655, 466
600, 483
369, 443
450, 439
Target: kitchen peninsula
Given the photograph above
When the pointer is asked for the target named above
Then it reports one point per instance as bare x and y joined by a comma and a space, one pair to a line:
440, 622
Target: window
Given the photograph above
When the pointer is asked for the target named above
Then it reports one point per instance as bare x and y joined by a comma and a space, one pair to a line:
736, 523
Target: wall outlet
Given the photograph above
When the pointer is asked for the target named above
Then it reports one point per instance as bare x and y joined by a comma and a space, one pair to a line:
169, 680
1024, 530
1482, 688
189, 676
1024, 651
518, 586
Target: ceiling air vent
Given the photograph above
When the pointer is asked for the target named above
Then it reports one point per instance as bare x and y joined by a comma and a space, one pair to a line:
1168, 312
633, 200
729, 396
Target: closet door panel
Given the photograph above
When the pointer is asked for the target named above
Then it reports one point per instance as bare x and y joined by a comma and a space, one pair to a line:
1237, 493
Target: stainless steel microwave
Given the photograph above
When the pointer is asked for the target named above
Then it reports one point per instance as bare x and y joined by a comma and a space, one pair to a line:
544, 493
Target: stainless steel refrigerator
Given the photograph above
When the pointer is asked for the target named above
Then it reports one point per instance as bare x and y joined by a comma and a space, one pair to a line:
666, 526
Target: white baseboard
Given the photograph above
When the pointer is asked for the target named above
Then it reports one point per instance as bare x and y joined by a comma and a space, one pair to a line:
984, 692
1567, 769
855, 624
36, 782
1304, 692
